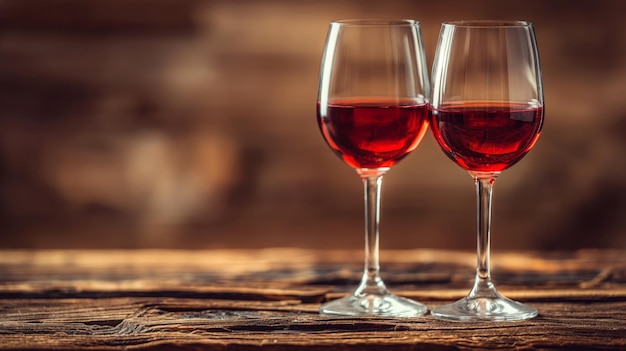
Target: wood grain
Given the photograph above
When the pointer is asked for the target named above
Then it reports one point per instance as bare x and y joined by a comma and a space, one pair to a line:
268, 300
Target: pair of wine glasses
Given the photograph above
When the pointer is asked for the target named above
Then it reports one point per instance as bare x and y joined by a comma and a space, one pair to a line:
484, 107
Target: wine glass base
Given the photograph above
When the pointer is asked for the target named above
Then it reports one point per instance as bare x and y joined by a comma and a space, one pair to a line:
497, 308
374, 305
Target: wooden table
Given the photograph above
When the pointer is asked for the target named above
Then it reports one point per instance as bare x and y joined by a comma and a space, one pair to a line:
268, 300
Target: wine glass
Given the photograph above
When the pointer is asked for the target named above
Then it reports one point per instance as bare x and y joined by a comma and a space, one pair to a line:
372, 110
486, 114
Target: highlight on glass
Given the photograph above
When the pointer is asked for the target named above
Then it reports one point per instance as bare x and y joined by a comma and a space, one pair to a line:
372, 110
486, 114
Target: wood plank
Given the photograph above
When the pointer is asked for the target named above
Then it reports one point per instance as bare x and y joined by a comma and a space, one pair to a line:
268, 300
147, 324
307, 266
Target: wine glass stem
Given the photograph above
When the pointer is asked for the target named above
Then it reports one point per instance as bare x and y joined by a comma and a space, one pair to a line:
484, 187
371, 283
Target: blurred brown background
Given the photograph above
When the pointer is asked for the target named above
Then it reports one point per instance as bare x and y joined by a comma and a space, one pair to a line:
191, 124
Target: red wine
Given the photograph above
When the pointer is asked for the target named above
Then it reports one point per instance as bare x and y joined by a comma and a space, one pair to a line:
486, 136
373, 133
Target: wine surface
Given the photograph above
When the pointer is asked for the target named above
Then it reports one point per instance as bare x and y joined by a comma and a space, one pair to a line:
373, 133
486, 136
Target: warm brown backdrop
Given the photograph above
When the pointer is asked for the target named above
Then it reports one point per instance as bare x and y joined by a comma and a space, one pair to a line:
191, 124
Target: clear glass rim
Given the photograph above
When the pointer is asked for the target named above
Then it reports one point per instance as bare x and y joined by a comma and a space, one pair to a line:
488, 23
374, 22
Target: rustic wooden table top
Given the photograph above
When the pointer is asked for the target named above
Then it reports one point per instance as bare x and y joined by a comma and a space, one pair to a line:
268, 300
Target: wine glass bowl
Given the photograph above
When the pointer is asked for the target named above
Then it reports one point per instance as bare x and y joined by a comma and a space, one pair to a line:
372, 110
486, 114
374, 133
486, 136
